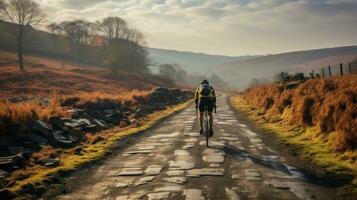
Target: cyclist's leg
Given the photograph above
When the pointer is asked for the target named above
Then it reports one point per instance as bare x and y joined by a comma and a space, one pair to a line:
201, 113
210, 110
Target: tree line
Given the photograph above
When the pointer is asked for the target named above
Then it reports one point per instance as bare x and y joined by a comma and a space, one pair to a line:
108, 42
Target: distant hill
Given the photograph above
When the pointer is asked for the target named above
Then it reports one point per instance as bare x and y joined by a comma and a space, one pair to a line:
240, 73
195, 63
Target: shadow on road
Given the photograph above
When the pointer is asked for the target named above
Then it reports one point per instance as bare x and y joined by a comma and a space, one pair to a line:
271, 162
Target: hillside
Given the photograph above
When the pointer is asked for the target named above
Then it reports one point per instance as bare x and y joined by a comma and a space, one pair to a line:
240, 73
194, 63
44, 77
42, 43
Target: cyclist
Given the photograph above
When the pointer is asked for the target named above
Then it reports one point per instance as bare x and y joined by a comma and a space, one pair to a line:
205, 97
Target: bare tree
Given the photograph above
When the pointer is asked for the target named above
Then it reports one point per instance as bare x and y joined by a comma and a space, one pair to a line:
113, 28
56, 31
76, 31
25, 13
2, 7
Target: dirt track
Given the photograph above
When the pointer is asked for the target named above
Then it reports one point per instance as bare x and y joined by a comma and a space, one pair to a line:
172, 162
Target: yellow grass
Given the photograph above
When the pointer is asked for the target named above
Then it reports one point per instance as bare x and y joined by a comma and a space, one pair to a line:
313, 145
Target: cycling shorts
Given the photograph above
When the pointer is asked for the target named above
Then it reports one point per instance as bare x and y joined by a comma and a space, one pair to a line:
205, 102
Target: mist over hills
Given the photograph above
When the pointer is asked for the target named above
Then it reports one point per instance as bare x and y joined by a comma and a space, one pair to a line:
240, 73
192, 62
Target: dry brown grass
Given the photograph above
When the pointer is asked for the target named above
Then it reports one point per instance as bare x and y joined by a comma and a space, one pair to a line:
330, 104
65, 84
44, 77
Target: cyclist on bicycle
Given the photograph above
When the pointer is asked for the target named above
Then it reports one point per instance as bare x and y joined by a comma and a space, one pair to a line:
205, 96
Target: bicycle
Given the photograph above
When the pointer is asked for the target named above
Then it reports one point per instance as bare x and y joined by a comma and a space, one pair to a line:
206, 124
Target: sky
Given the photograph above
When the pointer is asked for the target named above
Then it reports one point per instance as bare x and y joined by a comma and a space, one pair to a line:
225, 27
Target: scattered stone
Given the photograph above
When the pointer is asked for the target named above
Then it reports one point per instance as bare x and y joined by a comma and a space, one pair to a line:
178, 180
169, 188
205, 172
277, 184
192, 134
130, 172
52, 162
145, 180
182, 164
175, 173
181, 153
15, 150
100, 123
158, 195
214, 165
3, 174
42, 128
235, 176
193, 194
153, 170
232, 194
213, 158
56, 122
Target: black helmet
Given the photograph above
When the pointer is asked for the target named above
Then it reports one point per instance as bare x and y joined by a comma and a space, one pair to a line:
204, 82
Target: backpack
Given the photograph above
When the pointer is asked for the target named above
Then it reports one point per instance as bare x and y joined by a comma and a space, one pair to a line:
204, 90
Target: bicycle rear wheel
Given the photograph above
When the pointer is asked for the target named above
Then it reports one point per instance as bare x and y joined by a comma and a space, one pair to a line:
206, 128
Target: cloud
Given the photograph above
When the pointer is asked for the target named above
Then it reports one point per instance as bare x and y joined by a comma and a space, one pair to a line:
225, 26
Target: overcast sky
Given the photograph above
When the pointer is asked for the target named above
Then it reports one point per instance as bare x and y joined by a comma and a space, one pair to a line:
230, 27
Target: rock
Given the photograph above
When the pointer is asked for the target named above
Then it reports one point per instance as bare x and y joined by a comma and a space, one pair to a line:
193, 194
76, 113
83, 122
131, 172
178, 180
60, 139
145, 180
3, 174
51, 162
36, 139
15, 150
153, 170
205, 172
10, 160
124, 123
43, 128
232, 194
170, 188
108, 112
158, 196
101, 123
56, 122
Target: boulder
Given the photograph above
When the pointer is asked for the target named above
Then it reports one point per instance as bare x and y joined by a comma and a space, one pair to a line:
124, 123
15, 150
36, 139
60, 139
51, 162
100, 123
56, 122
42, 127
3, 174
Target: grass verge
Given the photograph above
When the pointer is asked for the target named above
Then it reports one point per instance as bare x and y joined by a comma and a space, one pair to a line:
310, 144
91, 152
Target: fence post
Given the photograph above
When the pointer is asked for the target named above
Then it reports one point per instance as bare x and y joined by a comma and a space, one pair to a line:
329, 71
341, 69
323, 72
282, 78
350, 67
